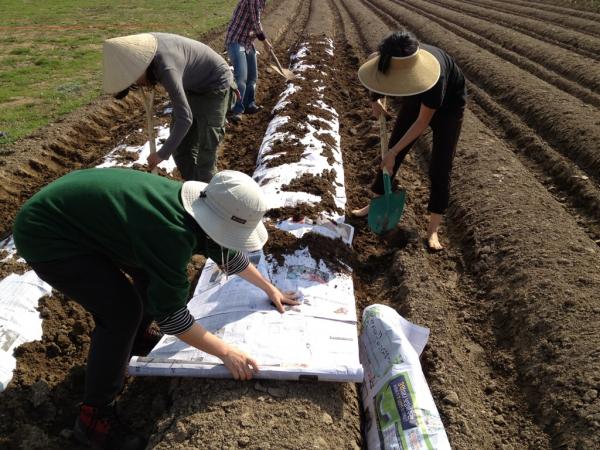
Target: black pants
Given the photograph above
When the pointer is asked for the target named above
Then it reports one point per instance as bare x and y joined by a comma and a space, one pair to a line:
446, 125
117, 305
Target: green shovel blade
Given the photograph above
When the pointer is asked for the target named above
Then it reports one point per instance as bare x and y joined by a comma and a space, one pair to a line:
385, 211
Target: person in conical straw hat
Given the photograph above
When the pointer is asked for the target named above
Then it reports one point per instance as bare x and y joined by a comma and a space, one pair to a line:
85, 231
199, 83
433, 94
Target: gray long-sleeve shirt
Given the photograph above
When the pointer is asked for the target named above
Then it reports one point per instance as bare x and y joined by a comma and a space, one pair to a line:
183, 65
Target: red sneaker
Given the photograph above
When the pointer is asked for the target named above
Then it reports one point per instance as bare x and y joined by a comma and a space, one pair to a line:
100, 428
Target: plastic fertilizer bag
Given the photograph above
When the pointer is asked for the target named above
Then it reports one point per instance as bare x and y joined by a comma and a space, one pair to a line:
399, 409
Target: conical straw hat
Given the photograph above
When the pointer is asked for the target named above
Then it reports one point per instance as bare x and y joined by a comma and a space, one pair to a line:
407, 75
125, 60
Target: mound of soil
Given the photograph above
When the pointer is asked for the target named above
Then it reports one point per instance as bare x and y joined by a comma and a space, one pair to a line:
333, 252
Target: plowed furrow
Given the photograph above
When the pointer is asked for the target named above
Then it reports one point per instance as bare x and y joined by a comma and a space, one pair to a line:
566, 123
553, 63
577, 24
471, 347
506, 221
576, 42
568, 184
558, 7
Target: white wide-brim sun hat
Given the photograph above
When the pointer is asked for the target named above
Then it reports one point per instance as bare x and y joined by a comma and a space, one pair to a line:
126, 58
229, 209
406, 75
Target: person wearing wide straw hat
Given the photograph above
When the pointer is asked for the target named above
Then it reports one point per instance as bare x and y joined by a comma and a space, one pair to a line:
85, 231
200, 86
433, 92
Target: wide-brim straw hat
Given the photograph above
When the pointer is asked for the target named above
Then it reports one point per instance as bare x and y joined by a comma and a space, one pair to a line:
126, 58
407, 75
229, 209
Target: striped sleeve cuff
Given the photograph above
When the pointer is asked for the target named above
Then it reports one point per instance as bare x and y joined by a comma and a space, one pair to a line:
236, 264
178, 322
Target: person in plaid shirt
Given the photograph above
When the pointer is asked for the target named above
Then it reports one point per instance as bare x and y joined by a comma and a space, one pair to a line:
244, 27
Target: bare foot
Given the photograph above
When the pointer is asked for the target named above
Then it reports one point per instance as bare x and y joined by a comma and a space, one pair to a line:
433, 242
362, 212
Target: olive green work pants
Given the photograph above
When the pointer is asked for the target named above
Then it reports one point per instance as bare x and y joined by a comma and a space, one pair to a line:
196, 156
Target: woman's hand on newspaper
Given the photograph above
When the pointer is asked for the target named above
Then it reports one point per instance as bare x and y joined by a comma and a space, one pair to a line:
241, 366
279, 299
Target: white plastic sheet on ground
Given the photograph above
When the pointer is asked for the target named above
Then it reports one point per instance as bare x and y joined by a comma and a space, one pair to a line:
316, 339
399, 409
143, 151
313, 161
19, 319
8, 246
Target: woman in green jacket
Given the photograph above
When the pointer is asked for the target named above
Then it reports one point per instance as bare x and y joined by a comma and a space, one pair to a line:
84, 232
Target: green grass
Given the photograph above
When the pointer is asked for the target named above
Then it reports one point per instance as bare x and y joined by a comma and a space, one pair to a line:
51, 51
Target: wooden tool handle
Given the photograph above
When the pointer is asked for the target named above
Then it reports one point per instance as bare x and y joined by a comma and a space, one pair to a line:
383, 133
276, 60
148, 106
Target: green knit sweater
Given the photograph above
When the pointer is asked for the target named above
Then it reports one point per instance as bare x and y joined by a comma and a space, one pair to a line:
136, 219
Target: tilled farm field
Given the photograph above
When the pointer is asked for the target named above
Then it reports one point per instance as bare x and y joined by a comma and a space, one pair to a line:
513, 302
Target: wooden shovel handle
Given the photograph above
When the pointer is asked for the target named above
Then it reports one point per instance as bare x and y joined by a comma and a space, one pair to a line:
148, 106
383, 133
274, 56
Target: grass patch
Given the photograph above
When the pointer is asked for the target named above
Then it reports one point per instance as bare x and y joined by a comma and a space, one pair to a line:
51, 52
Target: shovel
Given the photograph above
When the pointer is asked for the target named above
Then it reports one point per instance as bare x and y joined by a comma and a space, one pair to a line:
148, 106
385, 211
285, 73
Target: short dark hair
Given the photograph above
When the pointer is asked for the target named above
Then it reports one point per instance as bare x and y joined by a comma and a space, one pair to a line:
399, 43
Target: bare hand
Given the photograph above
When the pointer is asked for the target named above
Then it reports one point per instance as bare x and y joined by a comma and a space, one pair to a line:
241, 366
377, 109
153, 160
388, 162
279, 299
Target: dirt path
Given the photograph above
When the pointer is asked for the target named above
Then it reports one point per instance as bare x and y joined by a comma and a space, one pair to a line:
512, 303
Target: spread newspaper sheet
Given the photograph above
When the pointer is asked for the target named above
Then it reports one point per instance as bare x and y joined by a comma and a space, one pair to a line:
399, 410
316, 339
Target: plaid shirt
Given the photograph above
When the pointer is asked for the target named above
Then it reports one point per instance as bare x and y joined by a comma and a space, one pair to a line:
245, 23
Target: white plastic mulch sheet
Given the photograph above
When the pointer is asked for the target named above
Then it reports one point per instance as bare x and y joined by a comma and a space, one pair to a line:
316, 339
142, 152
313, 161
8, 245
19, 319
399, 409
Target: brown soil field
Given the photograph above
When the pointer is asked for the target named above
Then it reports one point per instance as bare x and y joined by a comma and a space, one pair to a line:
513, 303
